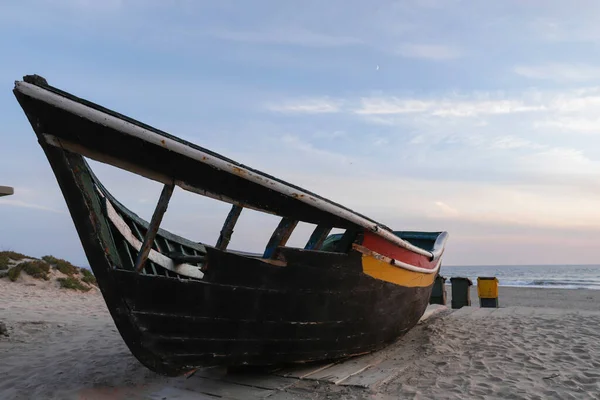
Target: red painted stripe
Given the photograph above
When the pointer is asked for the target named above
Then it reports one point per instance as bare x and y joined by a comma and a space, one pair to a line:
385, 248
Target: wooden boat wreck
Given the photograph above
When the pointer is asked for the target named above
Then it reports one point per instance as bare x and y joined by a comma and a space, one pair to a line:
180, 305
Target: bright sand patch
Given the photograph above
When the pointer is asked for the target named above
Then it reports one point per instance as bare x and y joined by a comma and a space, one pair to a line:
517, 352
63, 345
61, 342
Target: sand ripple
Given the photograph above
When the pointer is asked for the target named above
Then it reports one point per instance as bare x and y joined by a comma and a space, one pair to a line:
506, 356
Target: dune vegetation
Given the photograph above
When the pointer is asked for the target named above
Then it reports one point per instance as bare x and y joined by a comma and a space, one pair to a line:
49, 268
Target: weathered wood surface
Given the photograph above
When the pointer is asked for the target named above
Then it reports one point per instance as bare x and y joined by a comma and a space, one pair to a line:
173, 393
6, 191
250, 377
156, 257
159, 212
318, 237
280, 236
227, 231
367, 372
302, 371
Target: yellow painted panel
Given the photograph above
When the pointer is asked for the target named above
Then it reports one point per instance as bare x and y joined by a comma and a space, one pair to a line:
386, 272
487, 288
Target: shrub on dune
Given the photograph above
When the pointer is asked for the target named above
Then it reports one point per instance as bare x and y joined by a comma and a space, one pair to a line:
88, 277
62, 265
36, 269
3, 262
14, 273
72, 283
13, 255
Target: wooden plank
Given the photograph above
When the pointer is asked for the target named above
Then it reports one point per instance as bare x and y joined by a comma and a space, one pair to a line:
294, 394
154, 256
6, 191
306, 390
180, 257
138, 234
159, 212
262, 380
318, 237
394, 359
223, 389
135, 220
432, 310
375, 375
301, 371
345, 243
227, 230
173, 393
391, 361
345, 369
280, 236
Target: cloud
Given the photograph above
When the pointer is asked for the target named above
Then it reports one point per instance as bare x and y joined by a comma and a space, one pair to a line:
444, 210
575, 101
428, 52
560, 160
475, 163
512, 142
335, 134
513, 204
560, 72
307, 148
443, 107
381, 141
390, 105
561, 23
568, 110
491, 139
24, 204
306, 106
475, 108
382, 105
573, 124
480, 141
87, 6
287, 36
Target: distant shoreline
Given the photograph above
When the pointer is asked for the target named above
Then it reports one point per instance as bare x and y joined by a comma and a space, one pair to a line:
552, 287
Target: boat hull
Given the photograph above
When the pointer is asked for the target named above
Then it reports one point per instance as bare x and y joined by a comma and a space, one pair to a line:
198, 323
294, 306
320, 306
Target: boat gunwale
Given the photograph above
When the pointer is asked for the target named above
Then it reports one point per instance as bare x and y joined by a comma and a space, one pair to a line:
104, 117
203, 247
397, 263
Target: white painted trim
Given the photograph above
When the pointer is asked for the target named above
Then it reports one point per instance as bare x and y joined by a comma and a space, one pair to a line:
397, 263
128, 128
154, 256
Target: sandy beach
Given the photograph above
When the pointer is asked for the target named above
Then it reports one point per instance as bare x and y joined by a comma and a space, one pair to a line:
63, 345
579, 299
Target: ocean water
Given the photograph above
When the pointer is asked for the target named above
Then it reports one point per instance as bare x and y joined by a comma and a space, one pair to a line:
540, 276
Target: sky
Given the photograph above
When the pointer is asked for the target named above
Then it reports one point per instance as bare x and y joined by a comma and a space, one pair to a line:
477, 118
